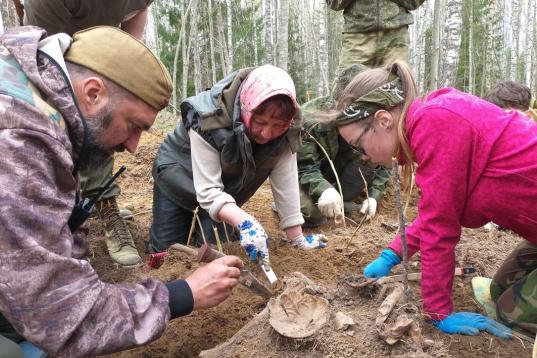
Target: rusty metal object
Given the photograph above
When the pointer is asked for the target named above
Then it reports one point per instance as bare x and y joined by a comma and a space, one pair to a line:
207, 254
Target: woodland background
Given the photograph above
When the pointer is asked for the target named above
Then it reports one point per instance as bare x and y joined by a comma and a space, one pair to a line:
468, 44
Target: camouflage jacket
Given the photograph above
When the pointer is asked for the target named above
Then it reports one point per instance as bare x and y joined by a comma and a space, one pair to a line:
378, 15
49, 293
314, 172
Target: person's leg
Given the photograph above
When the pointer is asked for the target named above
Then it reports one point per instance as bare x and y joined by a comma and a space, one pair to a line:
357, 48
9, 349
514, 288
393, 45
310, 212
352, 183
171, 223
119, 240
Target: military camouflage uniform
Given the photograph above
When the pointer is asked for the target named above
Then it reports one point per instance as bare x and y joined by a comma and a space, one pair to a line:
514, 288
375, 33
48, 292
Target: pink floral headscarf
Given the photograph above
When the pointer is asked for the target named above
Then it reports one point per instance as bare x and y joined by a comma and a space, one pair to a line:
261, 84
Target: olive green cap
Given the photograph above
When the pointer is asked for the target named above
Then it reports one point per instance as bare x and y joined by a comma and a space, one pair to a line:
124, 60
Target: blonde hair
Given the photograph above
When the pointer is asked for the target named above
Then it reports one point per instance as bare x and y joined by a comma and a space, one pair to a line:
367, 81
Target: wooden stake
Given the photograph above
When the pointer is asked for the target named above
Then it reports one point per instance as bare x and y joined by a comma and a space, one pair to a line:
397, 188
225, 231
201, 228
194, 216
217, 236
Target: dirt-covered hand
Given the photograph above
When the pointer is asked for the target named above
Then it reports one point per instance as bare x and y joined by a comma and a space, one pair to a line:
254, 240
471, 323
382, 266
310, 241
211, 284
369, 208
329, 203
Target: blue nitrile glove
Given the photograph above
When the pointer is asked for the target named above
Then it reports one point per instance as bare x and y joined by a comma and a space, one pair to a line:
310, 241
382, 266
254, 240
471, 323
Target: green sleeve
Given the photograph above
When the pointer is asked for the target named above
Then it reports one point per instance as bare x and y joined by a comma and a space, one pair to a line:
379, 184
338, 5
310, 177
409, 4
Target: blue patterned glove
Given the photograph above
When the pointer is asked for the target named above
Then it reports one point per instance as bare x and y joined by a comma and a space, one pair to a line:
471, 323
382, 266
254, 240
311, 241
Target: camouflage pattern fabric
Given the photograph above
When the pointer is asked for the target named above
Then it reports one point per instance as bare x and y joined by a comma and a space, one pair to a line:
91, 181
514, 288
48, 292
314, 172
374, 49
378, 15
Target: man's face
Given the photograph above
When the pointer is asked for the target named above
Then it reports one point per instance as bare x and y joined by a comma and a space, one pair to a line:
116, 127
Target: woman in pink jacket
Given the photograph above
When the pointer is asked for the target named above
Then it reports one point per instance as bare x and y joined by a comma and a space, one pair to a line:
475, 163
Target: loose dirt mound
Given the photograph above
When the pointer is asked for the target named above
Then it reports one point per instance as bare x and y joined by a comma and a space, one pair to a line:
346, 253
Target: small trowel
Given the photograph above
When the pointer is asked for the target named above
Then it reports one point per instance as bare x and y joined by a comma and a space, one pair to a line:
247, 279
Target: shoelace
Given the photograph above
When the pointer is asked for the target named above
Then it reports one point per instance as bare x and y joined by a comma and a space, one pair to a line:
110, 213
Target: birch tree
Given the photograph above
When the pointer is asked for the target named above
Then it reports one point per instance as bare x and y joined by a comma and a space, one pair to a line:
283, 26
211, 40
323, 55
452, 43
435, 58
229, 64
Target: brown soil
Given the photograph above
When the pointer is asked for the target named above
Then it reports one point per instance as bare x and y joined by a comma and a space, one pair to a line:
348, 252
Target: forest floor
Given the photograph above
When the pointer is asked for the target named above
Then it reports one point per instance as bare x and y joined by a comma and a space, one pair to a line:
346, 253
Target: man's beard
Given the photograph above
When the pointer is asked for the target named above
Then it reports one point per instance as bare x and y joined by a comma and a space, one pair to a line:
97, 125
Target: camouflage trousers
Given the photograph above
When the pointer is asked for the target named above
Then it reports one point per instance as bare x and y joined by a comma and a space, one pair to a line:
514, 288
374, 49
92, 181
351, 185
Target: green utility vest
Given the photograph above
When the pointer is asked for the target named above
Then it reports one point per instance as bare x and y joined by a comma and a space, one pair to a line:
215, 115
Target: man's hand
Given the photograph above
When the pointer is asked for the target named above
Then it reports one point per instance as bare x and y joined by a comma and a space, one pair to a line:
310, 241
329, 203
211, 284
369, 208
382, 266
254, 240
471, 323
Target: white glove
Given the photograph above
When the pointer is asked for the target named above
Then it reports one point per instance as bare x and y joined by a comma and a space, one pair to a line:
369, 208
329, 203
254, 240
310, 241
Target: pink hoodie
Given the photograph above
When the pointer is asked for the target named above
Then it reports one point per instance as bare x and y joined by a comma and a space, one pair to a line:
476, 163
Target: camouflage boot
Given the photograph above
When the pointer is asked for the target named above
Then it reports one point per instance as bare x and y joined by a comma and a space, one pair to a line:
118, 238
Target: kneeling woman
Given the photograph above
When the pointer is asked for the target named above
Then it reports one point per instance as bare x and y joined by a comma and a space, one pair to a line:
233, 137
475, 164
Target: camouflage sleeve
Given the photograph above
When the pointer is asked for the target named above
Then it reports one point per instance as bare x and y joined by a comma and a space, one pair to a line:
56, 301
379, 184
338, 5
409, 4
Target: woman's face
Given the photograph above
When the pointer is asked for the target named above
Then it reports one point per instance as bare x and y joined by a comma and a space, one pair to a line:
376, 141
268, 125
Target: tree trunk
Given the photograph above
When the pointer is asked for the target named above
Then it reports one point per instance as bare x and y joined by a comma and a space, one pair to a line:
488, 64
211, 41
224, 60
323, 55
229, 37
435, 58
471, 79
180, 40
269, 43
453, 30
283, 35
